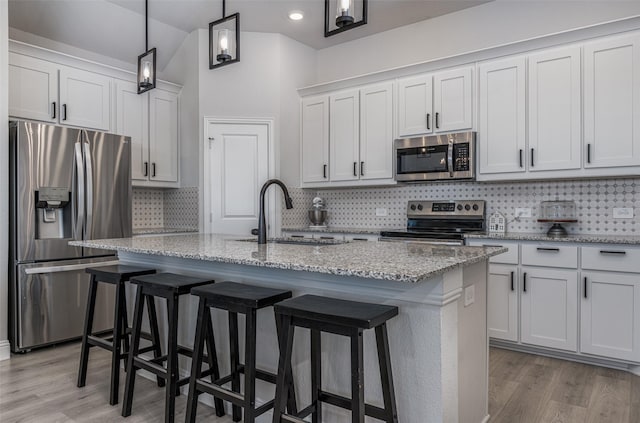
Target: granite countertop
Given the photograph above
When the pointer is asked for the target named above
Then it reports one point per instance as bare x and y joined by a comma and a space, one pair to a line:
393, 261
162, 230
335, 229
578, 238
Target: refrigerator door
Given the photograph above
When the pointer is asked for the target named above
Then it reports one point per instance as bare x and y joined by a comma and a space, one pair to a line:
44, 157
51, 302
107, 159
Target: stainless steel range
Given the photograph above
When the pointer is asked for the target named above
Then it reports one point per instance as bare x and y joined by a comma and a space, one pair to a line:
440, 222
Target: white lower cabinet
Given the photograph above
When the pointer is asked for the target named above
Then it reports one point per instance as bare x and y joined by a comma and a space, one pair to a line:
549, 304
502, 302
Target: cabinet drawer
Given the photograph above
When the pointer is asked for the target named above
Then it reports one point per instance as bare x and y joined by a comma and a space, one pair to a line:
549, 255
509, 257
611, 258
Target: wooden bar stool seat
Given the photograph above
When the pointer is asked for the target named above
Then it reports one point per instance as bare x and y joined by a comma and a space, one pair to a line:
170, 287
235, 298
342, 317
116, 275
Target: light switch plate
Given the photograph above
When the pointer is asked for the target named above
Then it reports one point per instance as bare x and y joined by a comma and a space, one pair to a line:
522, 212
381, 211
469, 295
623, 212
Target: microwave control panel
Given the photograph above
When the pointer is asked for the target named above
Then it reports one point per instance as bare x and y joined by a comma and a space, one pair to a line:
461, 157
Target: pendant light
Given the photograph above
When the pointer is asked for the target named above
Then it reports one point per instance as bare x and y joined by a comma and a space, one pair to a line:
224, 39
147, 60
344, 18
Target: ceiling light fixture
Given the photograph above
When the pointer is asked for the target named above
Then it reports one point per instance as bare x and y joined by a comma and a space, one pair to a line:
296, 15
344, 16
147, 60
224, 40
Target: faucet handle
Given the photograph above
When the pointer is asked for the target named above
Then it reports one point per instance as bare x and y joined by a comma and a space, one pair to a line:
254, 231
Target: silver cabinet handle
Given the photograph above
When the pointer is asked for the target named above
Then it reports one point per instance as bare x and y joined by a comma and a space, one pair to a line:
67, 268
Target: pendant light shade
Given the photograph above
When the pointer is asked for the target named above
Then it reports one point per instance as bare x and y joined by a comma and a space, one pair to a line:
344, 17
147, 60
224, 40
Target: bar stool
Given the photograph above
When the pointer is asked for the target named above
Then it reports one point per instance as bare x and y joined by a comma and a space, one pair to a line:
116, 275
235, 298
348, 318
170, 287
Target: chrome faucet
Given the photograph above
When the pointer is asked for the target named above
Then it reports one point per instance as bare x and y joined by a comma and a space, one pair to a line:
262, 226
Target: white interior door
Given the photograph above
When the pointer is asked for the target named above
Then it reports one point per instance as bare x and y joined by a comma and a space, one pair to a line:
236, 166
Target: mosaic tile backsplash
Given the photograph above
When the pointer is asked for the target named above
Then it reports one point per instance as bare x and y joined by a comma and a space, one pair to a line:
595, 200
160, 208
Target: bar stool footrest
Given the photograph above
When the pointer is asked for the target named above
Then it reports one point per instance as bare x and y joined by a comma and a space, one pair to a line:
343, 402
96, 341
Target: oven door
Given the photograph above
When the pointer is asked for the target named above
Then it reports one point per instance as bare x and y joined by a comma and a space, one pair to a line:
428, 162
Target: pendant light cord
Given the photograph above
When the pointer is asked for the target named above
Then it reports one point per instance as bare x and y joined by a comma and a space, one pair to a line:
146, 25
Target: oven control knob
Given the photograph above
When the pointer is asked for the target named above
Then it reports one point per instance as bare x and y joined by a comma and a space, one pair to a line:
419, 206
467, 207
459, 207
413, 207
475, 207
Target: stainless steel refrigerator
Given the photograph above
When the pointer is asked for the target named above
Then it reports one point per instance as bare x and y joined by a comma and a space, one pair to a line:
65, 184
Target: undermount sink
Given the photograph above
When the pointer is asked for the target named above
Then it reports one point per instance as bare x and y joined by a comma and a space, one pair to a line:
299, 241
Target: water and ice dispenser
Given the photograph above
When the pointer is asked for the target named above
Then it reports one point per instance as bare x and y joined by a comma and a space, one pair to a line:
53, 213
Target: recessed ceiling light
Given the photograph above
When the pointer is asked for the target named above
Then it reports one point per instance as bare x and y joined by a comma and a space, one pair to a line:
295, 15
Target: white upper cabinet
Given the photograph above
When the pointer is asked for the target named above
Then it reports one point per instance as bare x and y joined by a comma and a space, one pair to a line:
440, 102
452, 100
85, 99
33, 91
163, 136
344, 112
502, 106
376, 132
554, 110
415, 106
133, 120
315, 139
612, 102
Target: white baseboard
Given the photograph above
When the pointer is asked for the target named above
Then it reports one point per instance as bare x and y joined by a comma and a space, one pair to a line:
486, 419
5, 350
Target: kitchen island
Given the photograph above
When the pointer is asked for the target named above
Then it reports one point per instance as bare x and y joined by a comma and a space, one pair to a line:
439, 349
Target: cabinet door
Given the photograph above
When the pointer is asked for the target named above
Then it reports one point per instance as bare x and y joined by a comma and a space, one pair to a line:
315, 139
452, 100
612, 102
163, 136
33, 91
549, 304
85, 99
502, 302
376, 132
554, 110
344, 135
502, 130
415, 106
609, 315
133, 120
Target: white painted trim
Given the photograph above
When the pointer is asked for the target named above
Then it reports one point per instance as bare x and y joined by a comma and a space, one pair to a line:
486, 418
273, 206
5, 350
518, 47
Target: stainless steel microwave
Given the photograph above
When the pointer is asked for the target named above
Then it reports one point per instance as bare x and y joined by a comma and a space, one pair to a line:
436, 157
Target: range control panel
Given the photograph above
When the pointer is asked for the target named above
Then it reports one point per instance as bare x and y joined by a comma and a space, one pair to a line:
462, 208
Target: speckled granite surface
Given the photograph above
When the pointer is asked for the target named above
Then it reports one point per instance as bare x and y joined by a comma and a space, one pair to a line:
586, 238
162, 230
336, 230
393, 261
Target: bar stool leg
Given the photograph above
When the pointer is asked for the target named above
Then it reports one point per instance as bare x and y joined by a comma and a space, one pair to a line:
357, 377
155, 333
316, 375
292, 406
88, 327
284, 367
172, 359
116, 346
125, 329
213, 358
235, 361
250, 366
135, 347
384, 359
196, 363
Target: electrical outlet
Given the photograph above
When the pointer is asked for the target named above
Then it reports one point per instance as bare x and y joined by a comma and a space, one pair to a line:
469, 295
522, 212
623, 212
381, 211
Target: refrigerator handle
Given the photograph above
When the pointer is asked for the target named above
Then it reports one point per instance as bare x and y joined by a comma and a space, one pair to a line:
81, 183
89, 167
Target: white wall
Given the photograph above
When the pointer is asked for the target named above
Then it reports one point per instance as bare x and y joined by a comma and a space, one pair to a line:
488, 25
4, 177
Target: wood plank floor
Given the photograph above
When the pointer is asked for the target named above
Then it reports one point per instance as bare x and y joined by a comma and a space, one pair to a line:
525, 388
41, 387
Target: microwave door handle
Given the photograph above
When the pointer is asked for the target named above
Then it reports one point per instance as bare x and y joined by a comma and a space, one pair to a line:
80, 192
89, 166
450, 159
